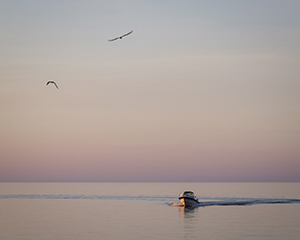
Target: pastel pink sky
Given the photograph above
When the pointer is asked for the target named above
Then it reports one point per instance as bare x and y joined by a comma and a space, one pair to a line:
198, 92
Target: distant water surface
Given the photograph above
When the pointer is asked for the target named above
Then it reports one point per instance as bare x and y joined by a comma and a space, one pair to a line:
38, 211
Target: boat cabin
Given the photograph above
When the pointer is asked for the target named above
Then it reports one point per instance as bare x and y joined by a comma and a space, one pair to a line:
188, 193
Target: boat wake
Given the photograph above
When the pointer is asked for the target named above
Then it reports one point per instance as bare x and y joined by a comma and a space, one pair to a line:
203, 202
85, 197
239, 202
175, 204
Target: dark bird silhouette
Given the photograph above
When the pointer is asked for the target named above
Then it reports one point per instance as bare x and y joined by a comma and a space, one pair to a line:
53, 83
120, 37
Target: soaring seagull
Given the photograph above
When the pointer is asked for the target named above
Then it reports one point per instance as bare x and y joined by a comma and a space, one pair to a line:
53, 83
120, 37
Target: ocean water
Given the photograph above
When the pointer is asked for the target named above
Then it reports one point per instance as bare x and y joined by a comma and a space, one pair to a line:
129, 211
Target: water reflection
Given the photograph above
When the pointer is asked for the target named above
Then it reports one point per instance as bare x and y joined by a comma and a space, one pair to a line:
189, 222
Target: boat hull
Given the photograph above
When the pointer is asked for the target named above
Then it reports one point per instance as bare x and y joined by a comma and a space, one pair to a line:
189, 202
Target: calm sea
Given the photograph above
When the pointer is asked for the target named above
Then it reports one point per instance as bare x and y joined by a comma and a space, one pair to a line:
129, 211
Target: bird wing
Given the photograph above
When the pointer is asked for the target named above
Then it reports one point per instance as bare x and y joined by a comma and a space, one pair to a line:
110, 40
55, 85
48, 82
126, 34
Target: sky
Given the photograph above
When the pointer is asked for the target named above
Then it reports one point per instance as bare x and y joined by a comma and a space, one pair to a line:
201, 91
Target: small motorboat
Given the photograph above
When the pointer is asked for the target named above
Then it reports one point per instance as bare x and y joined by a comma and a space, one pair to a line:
189, 199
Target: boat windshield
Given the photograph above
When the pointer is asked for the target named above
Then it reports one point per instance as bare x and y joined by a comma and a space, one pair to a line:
188, 193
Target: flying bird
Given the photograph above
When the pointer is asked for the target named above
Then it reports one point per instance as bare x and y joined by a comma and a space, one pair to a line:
53, 83
120, 37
